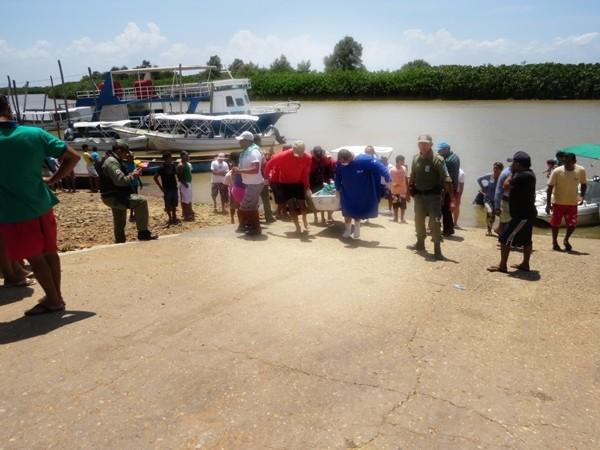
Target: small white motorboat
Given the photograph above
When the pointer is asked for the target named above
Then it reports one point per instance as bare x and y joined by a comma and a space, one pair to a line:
588, 214
380, 151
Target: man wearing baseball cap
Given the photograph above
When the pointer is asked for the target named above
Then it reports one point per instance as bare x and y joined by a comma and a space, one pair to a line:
452, 162
521, 201
117, 194
249, 169
428, 178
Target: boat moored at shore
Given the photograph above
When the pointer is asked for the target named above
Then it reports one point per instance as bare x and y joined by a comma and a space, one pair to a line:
195, 132
102, 136
588, 213
111, 101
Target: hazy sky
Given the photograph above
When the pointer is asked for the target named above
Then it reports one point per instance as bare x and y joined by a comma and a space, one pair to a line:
102, 34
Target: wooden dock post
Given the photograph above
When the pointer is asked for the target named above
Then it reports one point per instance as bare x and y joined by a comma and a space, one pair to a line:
62, 80
56, 117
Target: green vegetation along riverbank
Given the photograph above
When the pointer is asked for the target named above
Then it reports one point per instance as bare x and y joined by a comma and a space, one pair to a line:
527, 81
531, 81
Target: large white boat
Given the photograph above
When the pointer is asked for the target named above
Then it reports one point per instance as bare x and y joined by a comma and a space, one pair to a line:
102, 136
224, 95
195, 132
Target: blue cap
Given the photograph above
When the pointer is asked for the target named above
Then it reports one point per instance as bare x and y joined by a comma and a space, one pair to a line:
443, 145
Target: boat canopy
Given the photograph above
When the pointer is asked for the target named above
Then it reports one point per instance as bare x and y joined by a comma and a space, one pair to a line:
584, 150
202, 117
119, 123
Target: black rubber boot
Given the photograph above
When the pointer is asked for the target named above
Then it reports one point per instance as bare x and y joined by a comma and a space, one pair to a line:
254, 228
419, 246
242, 222
437, 251
146, 235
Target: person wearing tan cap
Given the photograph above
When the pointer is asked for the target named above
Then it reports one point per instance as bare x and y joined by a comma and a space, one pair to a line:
428, 178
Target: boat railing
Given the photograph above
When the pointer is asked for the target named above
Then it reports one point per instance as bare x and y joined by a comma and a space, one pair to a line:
152, 92
169, 91
284, 107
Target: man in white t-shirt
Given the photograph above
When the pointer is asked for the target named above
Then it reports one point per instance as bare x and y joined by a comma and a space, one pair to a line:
249, 168
219, 168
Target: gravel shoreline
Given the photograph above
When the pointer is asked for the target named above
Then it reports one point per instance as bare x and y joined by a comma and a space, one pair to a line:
84, 221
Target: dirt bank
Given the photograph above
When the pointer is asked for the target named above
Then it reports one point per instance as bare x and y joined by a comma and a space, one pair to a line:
84, 221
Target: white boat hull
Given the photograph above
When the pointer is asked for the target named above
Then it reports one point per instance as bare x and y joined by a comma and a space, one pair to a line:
165, 141
587, 215
105, 144
200, 144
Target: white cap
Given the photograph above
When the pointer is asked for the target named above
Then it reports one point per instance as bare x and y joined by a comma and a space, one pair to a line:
246, 136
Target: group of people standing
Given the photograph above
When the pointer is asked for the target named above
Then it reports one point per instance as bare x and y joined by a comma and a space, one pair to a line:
28, 228
509, 195
362, 180
252, 176
175, 182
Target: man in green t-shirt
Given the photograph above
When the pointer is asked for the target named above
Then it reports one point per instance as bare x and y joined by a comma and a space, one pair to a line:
184, 176
27, 223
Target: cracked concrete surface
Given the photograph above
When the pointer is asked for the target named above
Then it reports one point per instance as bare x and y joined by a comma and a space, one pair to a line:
210, 341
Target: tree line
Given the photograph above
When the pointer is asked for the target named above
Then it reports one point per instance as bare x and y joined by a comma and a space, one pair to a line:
345, 77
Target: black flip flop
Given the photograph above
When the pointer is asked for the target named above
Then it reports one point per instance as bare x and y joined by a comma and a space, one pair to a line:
41, 309
25, 282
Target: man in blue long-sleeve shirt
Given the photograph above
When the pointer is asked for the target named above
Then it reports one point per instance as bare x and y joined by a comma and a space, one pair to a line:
487, 185
358, 180
501, 208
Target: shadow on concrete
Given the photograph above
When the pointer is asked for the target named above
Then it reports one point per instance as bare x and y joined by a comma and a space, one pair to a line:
359, 243
532, 275
430, 257
258, 237
454, 238
577, 253
12, 295
371, 225
332, 232
302, 237
336, 231
28, 327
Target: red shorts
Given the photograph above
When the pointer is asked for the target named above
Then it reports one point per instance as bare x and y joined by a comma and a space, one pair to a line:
569, 212
31, 238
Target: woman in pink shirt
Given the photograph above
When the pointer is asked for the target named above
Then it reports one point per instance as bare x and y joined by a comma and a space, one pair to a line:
399, 189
